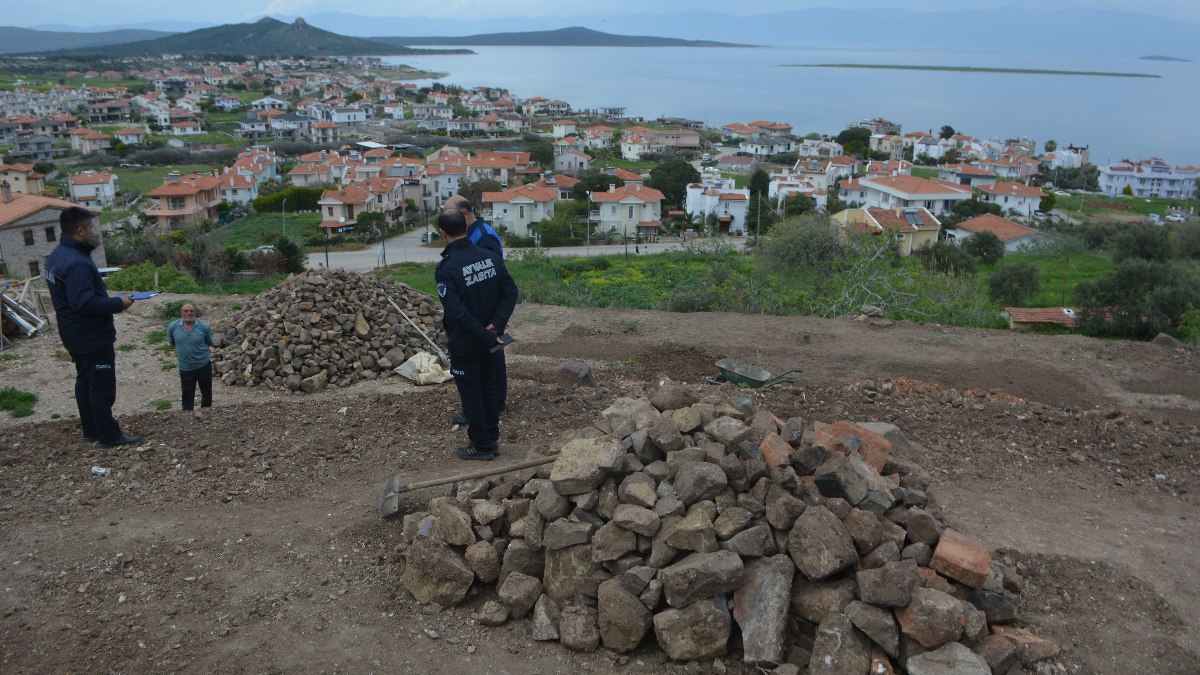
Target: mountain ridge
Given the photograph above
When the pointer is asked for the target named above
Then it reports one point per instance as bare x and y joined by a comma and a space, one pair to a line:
15, 39
571, 36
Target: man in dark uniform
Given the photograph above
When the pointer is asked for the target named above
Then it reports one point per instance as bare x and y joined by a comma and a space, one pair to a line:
478, 298
481, 233
84, 313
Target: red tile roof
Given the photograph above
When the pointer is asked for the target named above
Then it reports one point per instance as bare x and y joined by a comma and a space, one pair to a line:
23, 205
646, 194
189, 184
91, 178
1005, 230
1011, 189
916, 186
533, 191
1062, 316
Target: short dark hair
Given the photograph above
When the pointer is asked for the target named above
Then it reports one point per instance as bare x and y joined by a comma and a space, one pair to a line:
73, 219
452, 222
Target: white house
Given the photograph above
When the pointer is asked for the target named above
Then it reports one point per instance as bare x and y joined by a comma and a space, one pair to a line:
572, 162
718, 197
187, 129
766, 146
1014, 235
94, 189
1012, 197
935, 196
268, 103
237, 188
521, 208
1149, 178
564, 128
129, 136
966, 174
632, 209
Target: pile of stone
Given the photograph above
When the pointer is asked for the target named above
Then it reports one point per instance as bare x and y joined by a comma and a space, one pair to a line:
328, 328
721, 529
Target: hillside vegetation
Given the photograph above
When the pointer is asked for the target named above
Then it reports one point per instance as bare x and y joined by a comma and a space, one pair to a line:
15, 40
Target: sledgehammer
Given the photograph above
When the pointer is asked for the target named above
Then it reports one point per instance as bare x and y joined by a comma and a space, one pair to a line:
389, 497
441, 354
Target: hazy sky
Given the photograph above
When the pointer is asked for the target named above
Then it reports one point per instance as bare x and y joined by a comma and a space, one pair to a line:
84, 12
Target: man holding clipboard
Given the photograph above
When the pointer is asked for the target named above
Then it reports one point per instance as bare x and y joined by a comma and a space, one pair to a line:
84, 314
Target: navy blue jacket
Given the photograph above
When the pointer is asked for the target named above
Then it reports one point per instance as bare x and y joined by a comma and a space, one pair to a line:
83, 310
481, 233
476, 290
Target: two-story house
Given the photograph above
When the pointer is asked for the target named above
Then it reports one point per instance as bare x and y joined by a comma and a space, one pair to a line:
630, 209
326, 133
521, 208
935, 196
237, 188
717, 196
22, 178
910, 227
184, 201
93, 189
29, 232
1149, 178
966, 174
129, 136
1012, 197
340, 208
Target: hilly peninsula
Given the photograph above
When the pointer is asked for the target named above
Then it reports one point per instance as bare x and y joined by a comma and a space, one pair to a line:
14, 40
265, 37
575, 36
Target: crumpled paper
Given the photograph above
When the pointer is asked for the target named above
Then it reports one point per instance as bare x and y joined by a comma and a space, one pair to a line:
423, 368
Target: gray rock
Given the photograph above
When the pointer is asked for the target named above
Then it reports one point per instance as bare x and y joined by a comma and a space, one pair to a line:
623, 619
573, 374
566, 570
664, 434
453, 524
878, 624
673, 396
669, 506
485, 511
662, 553
315, 383
578, 629
932, 617
954, 658
890, 585
849, 477
923, 527
492, 613
627, 415
699, 481
865, 529
839, 648
652, 594
820, 545
807, 459
694, 532
793, 431
583, 464
563, 533
731, 521
735, 472
546, 618
698, 631
612, 541
814, 600
701, 575
520, 557
518, 593
754, 542
550, 504
686, 419
637, 578
436, 573
1165, 340
728, 431
783, 508
761, 607
1000, 607
637, 519
638, 489
483, 560
918, 553
883, 554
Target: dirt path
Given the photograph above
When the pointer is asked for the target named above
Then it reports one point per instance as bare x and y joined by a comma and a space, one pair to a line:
250, 541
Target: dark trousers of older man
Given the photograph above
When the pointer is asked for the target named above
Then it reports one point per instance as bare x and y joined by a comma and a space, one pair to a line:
95, 393
188, 379
475, 377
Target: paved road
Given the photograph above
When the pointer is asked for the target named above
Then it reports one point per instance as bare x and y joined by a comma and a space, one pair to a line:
408, 248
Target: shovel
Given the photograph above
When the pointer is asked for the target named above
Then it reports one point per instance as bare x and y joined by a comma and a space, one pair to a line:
389, 497
441, 354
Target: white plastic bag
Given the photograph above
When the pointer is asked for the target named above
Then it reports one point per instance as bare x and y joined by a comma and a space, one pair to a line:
423, 368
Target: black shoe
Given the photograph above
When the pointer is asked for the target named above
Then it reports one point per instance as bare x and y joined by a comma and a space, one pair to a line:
459, 419
91, 439
125, 439
470, 453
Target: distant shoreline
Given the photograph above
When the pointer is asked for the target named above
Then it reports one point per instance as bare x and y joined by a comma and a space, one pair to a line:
968, 69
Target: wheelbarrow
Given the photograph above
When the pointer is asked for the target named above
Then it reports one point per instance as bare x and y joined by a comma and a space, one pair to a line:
746, 375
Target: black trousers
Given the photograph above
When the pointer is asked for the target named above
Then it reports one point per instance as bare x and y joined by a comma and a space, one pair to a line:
475, 377
95, 393
501, 379
188, 379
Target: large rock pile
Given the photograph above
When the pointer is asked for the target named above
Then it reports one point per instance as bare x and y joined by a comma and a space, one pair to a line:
324, 328
720, 528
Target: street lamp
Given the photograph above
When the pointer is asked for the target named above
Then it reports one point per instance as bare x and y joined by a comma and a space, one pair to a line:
283, 217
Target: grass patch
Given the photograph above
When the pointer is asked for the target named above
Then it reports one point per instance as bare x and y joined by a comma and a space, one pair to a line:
1101, 206
160, 404
155, 337
248, 233
1060, 274
169, 311
248, 287
925, 172
168, 365
632, 165
10, 357
145, 178
18, 403
126, 347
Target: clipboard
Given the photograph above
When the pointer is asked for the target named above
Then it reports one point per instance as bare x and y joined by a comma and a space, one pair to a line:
143, 295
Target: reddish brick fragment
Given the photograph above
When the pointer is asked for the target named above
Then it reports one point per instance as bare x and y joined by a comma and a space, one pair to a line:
1030, 647
939, 583
874, 448
775, 451
962, 558
880, 663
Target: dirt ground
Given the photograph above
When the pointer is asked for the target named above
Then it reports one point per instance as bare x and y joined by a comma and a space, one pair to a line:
250, 541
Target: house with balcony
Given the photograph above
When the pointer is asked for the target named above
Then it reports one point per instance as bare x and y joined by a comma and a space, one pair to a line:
237, 188
269, 102
326, 133
1149, 178
308, 174
184, 201
425, 111
187, 129
129, 136
340, 208
1010, 167
910, 227
767, 146
631, 209
564, 128
520, 209
890, 167
22, 178
717, 197
108, 112
291, 127
93, 189
890, 192
966, 174
1012, 197
29, 231
877, 125
34, 147
86, 141
818, 149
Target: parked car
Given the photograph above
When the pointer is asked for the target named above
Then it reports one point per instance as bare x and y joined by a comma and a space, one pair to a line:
1176, 218
430, 236
265, 249
1155, 218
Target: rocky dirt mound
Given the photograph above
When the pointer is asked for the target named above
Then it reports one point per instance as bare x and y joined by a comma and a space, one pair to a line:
724, 529
329, 328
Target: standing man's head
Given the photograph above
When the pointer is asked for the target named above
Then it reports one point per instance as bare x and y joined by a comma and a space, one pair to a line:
188, 314
460, 203
452, 224
77, 223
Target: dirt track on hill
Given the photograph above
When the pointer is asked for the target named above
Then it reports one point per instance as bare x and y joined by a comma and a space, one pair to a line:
250, 541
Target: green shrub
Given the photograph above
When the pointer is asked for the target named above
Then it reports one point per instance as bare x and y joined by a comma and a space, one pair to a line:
156, 336
169, 311
1189, 327
1014, 284
126, 347
161, 404
141, 278
18, 403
